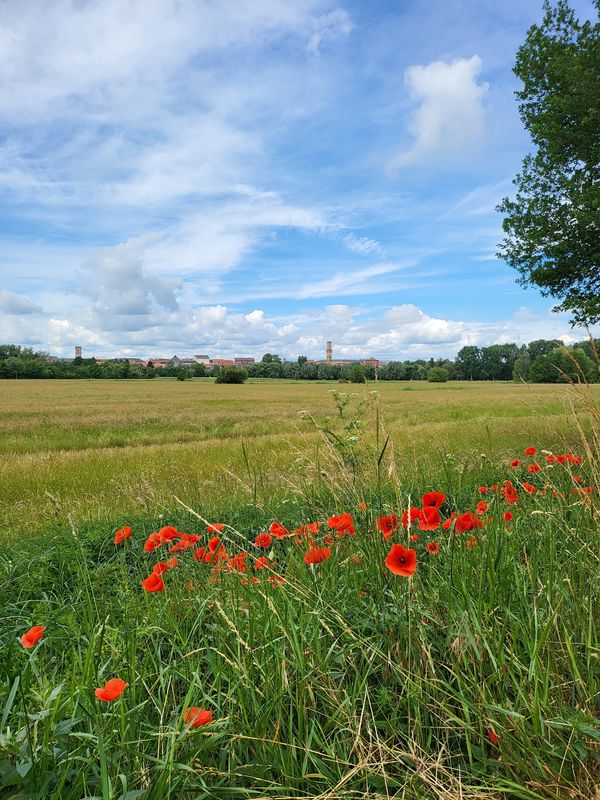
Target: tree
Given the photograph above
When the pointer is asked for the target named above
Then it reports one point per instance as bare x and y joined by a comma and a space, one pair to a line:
356, 373
231, 375
552, 225
437, 375
468, 363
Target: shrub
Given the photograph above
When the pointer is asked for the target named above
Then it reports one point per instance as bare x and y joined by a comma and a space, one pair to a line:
357, 373
437, 375
231, 375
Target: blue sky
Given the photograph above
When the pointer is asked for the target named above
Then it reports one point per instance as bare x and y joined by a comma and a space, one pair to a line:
259, 175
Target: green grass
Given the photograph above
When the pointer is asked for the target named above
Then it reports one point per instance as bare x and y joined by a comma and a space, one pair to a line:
345, 681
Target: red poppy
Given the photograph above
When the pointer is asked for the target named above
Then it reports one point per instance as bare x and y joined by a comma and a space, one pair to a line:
482, 489
153, 583
467, 522
515, 463
550, 459
414, 537
198, 555
387, 525
196, 717
32, 637
529, 488
482, 507
238, 563
328, 539
317, 554
493, 737
263, 540
262, 563
401, 561
433, 548
216, 527
533, 468
343, 524
561, 459
111, 690
433, 499
213, 543
531, 451
168, 532
122, 534
152, 542
472, 542
276, 580
409, 516
429, 519
362, 506
507, 516
278, 531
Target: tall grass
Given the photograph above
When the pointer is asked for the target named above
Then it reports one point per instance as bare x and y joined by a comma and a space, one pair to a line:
345, 681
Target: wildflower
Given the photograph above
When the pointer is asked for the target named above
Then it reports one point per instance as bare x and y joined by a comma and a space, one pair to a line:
342, 524
328, 539
433, 548
275, 579
401, 561
467, 521
262, 563
433, 499
531, 451
515, 463
153, 583
561, 459
195, 717
409, 516
317, 554
152, 542
122, 534
263, 540
493, 737
507, 516
237, 563
533, 468
32, 637
550, 459
167, 533
529, 488
414, 537
387, 525
111, 690
482, 507
216, 527
278, 531
362, 506
482, 489
429, 519
472, 542
198, 555
213, 543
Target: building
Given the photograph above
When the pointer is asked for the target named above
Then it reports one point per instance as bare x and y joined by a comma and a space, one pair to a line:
78, 352
159, 362
203, 360
243, 362
223, 362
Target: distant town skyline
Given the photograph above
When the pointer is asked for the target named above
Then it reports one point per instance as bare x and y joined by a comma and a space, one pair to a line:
262, 176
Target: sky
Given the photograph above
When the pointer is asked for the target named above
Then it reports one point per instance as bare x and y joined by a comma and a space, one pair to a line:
247, 176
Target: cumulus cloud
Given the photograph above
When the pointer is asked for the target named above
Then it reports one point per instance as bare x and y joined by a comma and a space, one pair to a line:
18, 304
450, 114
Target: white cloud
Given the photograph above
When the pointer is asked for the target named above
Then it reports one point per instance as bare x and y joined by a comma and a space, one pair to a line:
450, 116
329, 27
17, 304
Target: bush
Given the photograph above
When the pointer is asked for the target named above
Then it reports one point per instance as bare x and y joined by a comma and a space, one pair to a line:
437, 375
357, 373
231, 375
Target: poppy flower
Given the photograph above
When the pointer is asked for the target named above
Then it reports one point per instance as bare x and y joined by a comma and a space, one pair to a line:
262, 563
343, 524
111, 690
482, 489
276, 580
529, 488
263, 540
467, 522
515, 463
531, 451
198, 555
152, 542
387, 525
196, 717
32, 637
238, 563
401, 561
561, 459
493, 737
153, 583
433, 548
550, 459
507, 516
533, 468
429, 519
216, 527
277, 530
317, 554
433, 499
168, 532
409, 516
328, 539
213, 543
122, 534
362, 506
414, 537
482, 507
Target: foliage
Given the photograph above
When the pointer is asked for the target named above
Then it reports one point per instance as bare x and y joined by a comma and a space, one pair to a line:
437, 375
552, 225
231, 375
356, 374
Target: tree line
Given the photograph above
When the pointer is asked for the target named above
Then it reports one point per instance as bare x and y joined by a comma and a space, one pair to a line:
540, 361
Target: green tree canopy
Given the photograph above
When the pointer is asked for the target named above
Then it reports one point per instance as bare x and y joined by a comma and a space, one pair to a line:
552, 225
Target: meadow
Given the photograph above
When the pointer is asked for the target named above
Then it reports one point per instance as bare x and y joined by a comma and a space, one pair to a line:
368, 594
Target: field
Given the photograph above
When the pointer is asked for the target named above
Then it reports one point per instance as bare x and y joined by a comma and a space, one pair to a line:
326, 664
